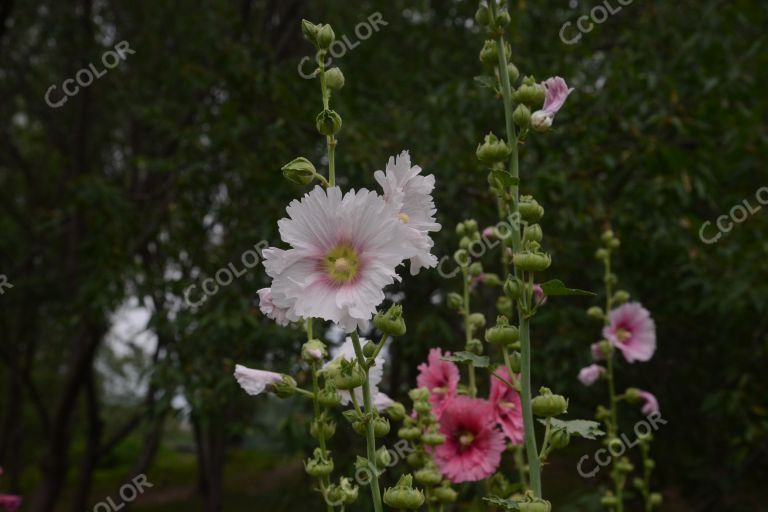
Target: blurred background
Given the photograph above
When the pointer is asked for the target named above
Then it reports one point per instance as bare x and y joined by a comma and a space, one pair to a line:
164, 169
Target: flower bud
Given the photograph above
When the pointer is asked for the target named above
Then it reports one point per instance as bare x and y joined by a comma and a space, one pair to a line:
560, 438
475, 346
476, 321
624, 465
655, 499
531, 95
325, 36
513, 288
318, 466
461, 257
601, 254
396, 411
502, 333
328, 397
609, 500
471, 225
492, 150
476, 269
328, 122
532, 504
596, 312
334, 79
326, 427
491, 279
548, 405
422, 407
348, 376
620, 297
465, 242
432, 438
541, 121
392, 322
417, 394
313, 351
512, 72
415, 459
348, 491
649, 464
532, 261
530, 210
454, 301
611, 279
482, 16
369, 349
515, 362
522, 116
383, 457
403, 495
607, 236
614, 244
380, 426
309, 30
502, 18
489, 55
299, 171
504, 306
429, 475
632, 395
602, 414
445, 494
409, 433
533, 232
284, 388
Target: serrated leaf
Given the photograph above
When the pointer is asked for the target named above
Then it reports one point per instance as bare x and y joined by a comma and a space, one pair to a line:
582, 428
486, 81
506, 503
468, 357
506, 179
557, 287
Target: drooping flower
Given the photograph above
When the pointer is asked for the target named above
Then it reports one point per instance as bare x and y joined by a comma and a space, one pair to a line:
556, 93
507, 407
411, 195
473, 446
440, 377
589, 374
632, 330
255, 382
375, 375
279, 315
344, 251
650, 404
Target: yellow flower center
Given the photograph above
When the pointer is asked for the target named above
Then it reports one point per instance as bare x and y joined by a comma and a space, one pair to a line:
404, 218
341, 263
622, 334
466, 439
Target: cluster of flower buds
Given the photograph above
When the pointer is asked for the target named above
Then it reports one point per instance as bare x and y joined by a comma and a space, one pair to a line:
548, 405
403, 496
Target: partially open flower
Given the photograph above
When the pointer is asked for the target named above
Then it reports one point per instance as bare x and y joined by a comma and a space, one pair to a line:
632, 330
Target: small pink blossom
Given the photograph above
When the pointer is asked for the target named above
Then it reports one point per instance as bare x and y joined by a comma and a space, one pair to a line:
489, 232
255, 382
473, 447
278, 314
590, 374
632, 330
597, 352
539, 297
507, 407
9, 502
440, 377
557, 92
650, 405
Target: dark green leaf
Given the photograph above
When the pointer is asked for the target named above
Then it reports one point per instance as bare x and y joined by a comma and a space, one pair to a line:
468, 357
556, 287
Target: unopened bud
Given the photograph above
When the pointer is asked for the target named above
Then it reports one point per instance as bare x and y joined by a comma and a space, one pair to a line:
299, 171
522, 116
334, 79
328, 122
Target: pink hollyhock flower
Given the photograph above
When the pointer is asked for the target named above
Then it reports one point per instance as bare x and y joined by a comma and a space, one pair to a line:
411, 195
9, 502
632, 330
344, 251
597, 352
590, 374
651, 405
507, 407
473, 447
279, 315
556, 93
255, 382
440, 377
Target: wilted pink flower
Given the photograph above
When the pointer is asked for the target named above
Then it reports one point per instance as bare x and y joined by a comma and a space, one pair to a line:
507, 406
440, 377
9, 502
651, 405
279, 315
597, 352
473, 447
556, 93
590, 374
255, 382
632, 330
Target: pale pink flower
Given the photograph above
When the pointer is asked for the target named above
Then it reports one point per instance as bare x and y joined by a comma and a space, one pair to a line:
344, 251
507, 406
410, 194
255, 382
632, 330
556, 93
382, 401
279, 315
375, 374
589, 375
440, 377
650, 405
473, 446
539, 297
9, 502
597, 352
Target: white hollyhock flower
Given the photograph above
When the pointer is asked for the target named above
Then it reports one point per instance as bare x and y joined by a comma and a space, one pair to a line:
280, 315
255, 382
375, 374
344, 251
411, 195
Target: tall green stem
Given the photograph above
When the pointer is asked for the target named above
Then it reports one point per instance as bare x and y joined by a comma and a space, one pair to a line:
330, 139
370, 438
613, 426
324, 481
468, 332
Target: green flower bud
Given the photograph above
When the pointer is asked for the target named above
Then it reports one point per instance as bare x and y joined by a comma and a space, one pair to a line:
596, 312
614, 244
422, 407
328, 122
515, 362
482, 16
454, 301
309, 30
334, 79
560, 438
502, 18
326, 427
313, 351
445, 494
415, 459
491, 279
380, 426
348, 490
460, 229
299, 171
513, 288
429, 475
504, 306
465, 242
655, 499
530, 95
602, 414
532, 261
318, 466
409, 433
461, 257
348, 376
432, 438
529, 503
383, 457
530, 210
548, 405
621, 296
391, 322
284, 388
522, 116
533, 233
601, 254
475, 346
649, 464
403, 495
418, 394
632, 395
502, 333
476, 321
492, 150
396, 411
624, 465
476, 269
489, 55
611, 279
512, 72
369, 349
638, 483
607, 236
609, 500
471, 225
328, 397
325, 36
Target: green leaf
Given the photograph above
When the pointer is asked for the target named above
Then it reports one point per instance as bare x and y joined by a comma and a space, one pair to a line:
507, 504
486, 81
506, 179
468, 357
556, 287
583, 428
